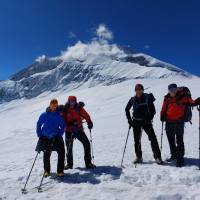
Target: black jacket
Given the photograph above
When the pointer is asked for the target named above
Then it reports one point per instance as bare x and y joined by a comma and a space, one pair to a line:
144, 108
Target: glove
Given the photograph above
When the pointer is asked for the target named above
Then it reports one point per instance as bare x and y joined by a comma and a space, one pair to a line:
90, 125
81, 104
197, 101
162, 118
131, 123
41, 144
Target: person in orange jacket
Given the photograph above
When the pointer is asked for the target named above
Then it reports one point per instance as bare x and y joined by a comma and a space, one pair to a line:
173, 112
74, 114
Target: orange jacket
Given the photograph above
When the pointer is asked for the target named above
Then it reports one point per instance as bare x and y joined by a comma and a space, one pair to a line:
74, 118
173, 108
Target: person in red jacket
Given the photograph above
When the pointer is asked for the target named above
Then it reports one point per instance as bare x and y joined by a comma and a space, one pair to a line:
74, 114
173, 112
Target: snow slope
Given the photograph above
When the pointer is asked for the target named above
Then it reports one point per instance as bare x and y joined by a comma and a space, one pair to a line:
106, 105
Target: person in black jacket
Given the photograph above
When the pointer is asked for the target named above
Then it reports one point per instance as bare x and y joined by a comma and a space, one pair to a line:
143, 114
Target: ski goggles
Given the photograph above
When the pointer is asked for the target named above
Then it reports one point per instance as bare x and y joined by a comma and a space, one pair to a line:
172, 89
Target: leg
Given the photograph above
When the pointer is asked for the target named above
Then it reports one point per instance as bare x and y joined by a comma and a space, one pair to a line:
69, 144
46, 160
179, 139
86, 144
171, 138
60, 149
137, 133
148, 128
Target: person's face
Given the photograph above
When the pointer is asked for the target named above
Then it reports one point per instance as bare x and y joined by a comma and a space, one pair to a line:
72, 103
173, 92
53, 106
139, 92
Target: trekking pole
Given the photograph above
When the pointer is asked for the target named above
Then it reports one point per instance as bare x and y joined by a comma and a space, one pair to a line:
40, 186
125, 146
92, 150
24, 191
198, 108
162, 136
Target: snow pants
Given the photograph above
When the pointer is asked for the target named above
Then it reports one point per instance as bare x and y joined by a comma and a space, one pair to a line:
81, 136
175, 134
138, 126
56, 144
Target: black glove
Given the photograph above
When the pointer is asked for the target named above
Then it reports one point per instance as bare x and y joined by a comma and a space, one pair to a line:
131, 123
162, 118
197, 101
81, 104
90, 125
42, 144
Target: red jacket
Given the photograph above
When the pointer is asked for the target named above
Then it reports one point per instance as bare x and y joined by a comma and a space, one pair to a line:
74, 118
173, 108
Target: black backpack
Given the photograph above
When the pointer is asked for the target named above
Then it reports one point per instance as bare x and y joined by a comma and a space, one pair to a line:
185, 92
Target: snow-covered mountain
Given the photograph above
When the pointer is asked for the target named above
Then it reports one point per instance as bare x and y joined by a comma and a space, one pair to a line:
85, 65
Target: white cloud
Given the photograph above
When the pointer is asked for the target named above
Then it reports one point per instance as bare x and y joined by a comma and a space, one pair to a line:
99, 45
71, 35
104, 33
40, 58
81, 50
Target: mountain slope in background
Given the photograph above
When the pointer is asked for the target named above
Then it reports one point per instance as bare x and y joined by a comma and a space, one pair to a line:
85, 65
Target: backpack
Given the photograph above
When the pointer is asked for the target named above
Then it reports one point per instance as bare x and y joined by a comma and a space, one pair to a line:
184, 92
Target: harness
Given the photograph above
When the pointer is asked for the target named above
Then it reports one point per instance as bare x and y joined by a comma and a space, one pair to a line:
136, 105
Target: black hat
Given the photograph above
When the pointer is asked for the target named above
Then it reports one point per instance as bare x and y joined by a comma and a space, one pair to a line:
172, 86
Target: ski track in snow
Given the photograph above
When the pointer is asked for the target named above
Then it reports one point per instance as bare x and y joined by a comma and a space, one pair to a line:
108, 181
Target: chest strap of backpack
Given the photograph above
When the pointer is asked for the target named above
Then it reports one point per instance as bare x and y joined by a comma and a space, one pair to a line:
135, 104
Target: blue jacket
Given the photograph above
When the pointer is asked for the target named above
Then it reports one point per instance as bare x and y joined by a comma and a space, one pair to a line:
50, 125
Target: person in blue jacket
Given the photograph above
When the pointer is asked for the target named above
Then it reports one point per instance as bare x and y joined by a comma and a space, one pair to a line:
50, 129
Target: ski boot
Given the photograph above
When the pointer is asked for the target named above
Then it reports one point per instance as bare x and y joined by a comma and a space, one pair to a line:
90, 166
67, 167
138, 161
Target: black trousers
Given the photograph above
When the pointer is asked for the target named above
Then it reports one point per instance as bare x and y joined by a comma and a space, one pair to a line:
56, 144
81, 136
175, 134
137, 132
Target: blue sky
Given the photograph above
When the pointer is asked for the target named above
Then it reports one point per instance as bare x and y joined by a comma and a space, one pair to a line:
166, 29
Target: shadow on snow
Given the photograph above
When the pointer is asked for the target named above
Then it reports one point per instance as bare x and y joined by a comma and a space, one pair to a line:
90, 175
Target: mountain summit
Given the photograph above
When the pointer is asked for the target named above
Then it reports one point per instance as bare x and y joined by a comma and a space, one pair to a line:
88, 64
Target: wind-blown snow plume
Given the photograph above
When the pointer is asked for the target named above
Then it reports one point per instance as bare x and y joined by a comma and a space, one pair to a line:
40, 58
81, 50
99, 45
104, 33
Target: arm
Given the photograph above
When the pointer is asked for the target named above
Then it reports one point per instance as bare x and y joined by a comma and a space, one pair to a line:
163, 112
85, 115
164, 108
189, 101
152, 110
127, 110
62, 126
39, 125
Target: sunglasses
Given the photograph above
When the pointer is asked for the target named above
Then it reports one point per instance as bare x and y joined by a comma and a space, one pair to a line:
138, 89
173, 90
